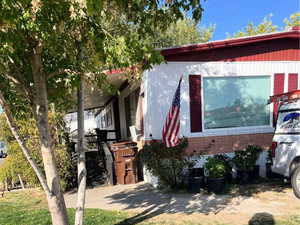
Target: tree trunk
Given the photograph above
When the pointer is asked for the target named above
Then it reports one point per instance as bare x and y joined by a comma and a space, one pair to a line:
21, 181
56, 202
81, 158
6, 185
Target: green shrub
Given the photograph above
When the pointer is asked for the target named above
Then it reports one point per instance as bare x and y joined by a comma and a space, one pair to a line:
16, 164
216, 167
245, 160
166, 163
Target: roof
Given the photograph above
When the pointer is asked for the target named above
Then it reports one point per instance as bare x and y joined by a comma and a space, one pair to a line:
294, 33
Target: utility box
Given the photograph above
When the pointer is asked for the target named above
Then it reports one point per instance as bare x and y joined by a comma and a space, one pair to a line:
125, 162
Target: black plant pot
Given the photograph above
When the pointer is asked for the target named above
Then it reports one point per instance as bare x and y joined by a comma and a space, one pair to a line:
243, 177
196, 172
216, 185
254, 173
229, 178
195, 184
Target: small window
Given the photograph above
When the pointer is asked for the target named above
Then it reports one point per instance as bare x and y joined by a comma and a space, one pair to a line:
236, 101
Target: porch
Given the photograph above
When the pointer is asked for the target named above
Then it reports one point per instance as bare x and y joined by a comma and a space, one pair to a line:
108, 119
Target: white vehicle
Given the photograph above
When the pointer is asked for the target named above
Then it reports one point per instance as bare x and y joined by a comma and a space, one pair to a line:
286, 140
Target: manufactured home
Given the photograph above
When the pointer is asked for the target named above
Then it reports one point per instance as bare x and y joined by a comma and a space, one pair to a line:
224, 93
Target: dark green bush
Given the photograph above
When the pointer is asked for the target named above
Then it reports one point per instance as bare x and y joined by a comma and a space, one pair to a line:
245, 160
166, 163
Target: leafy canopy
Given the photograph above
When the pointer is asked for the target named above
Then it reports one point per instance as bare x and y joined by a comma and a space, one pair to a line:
266, 26
184, 32
74, 37
293, 20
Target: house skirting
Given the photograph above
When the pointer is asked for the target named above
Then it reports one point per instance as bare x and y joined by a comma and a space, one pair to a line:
229, 143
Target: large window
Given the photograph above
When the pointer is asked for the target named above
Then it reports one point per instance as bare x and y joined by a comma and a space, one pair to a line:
236, 101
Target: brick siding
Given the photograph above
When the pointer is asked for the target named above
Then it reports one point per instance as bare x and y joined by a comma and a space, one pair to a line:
228, 143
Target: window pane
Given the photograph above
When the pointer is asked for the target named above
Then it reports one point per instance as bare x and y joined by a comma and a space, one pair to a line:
236, 101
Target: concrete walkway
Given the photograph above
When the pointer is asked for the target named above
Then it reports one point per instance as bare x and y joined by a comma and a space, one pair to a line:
142, 197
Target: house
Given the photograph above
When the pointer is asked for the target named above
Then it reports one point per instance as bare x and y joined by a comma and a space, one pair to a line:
225, 88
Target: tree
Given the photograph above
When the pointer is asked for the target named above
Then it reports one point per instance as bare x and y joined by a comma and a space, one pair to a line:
266, 26
48, 45
294, 20
16, 165
184, 32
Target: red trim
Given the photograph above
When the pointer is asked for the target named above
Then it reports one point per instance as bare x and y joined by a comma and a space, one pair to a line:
116, 71
120, 70
195, 103
278, 89
294, 34
293, 82
273, 50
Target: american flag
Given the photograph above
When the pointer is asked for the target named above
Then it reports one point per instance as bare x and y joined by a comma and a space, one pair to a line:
172, 124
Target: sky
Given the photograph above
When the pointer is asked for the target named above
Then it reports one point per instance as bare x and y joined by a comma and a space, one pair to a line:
233, 15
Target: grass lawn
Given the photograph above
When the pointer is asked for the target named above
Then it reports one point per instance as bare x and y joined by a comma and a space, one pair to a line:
30, 208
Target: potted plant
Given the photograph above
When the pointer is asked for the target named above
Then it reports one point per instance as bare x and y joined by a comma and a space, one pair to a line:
228, 163
216, 172
245, 163
195, 180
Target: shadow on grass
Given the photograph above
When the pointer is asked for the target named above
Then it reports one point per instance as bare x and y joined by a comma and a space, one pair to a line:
250, 190
151, 202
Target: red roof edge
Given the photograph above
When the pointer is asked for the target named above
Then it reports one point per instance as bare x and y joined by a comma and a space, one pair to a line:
115, 71
294, 33
120, 70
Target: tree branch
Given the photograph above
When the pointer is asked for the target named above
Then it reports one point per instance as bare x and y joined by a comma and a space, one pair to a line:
12, 79
16, 77
15, 131
59, 72
19, 85
68, 71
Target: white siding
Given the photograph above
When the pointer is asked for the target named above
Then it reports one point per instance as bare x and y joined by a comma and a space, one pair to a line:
162, 80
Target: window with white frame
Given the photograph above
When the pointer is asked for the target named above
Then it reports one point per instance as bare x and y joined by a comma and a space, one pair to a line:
238, 101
